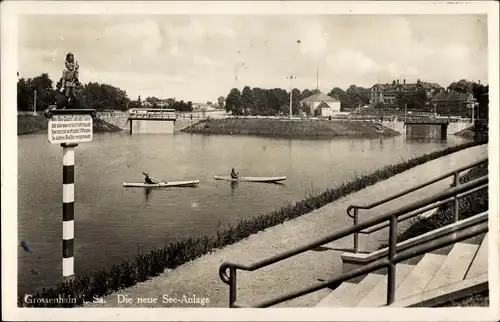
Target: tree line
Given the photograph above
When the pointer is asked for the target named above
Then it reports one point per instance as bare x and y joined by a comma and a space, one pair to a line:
98, 96
276, 101
249, 101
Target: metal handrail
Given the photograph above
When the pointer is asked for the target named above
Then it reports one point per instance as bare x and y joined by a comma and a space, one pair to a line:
390, 262
353, 210
449, 239
422, 210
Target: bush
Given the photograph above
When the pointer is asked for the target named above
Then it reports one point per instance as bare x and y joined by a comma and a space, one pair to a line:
173, 255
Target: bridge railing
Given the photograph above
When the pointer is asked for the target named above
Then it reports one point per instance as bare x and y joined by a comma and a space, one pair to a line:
153, 115
394, 255
353, 210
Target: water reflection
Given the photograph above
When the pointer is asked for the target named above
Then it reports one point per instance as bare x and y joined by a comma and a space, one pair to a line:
234, 186
426, 140
147, 193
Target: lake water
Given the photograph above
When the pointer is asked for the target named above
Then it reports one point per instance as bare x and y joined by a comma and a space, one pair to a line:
111, 222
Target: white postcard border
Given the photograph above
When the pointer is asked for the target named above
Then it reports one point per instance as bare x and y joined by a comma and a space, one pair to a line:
9, 13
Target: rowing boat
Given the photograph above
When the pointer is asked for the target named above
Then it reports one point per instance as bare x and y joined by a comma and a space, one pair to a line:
251, 179
161, 184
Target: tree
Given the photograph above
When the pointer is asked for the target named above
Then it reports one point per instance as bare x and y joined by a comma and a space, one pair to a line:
462, 86
233, 102
277, 100
401, 100
24, 95
420, 99
247, 100
345, 101
478, 89
305, 94
221, 102
261, 106
358, 95
295, 101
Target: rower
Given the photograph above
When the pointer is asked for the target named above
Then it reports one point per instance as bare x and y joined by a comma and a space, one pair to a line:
234, 175
148, 179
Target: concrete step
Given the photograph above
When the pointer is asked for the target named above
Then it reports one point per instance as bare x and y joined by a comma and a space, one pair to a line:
420, 276
480, 262
349, 294
378, 295
454, 267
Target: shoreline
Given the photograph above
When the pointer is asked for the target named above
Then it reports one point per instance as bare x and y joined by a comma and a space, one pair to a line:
288, 129
146, 266
37, 124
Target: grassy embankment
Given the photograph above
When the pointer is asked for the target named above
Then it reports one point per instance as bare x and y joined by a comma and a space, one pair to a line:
466, 133
29, 124
291, 128
470, 206
145, 266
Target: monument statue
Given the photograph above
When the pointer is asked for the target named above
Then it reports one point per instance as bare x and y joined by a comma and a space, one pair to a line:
69, 82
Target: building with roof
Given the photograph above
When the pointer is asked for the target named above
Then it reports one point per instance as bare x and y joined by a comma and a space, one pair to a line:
388, 93
450, 102
320, 104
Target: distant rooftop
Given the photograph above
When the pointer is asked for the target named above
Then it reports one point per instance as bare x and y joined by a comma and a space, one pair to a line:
318, 97
406, 86
452, 96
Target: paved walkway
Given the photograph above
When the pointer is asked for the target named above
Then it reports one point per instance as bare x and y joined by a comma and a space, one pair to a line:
201, 279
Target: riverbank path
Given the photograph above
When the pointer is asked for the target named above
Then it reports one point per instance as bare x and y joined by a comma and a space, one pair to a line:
200, 278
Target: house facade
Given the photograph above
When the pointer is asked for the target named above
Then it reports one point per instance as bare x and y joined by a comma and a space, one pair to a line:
453, 103
388, 93
320, 104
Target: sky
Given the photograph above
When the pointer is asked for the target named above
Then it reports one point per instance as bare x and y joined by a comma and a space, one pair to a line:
201, 57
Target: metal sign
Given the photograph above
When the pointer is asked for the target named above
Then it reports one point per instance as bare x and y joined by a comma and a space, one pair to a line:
70, 128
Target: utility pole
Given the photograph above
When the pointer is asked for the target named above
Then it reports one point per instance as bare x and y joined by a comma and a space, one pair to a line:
34, 103
473, 107
291, 90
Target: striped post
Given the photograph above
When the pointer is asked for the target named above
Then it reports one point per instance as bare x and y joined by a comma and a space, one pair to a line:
68, 211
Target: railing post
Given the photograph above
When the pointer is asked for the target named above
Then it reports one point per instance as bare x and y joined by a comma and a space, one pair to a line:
456, 206
391, 269
356, 234
232, 286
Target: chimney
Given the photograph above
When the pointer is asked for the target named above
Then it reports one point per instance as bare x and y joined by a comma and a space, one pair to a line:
404, 81
478, 82
398, 81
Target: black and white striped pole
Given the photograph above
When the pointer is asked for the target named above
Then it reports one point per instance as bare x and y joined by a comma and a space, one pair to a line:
68, 127
68, 215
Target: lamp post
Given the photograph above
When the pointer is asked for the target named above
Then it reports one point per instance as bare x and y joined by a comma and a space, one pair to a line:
34, 103
291, 77
473, 107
